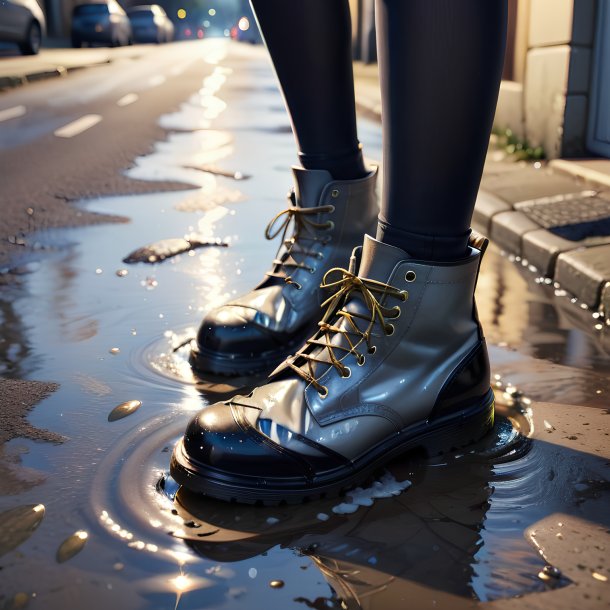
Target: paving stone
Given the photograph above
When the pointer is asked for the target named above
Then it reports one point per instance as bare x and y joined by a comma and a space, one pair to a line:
529, 184
541, 248
508, 229
584, 272
486, 207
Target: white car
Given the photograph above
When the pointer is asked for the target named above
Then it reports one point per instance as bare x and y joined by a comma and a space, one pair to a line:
22, 22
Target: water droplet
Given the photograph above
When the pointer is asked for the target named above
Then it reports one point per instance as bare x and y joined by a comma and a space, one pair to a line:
252, 572
124, 409
600, 577
18, 524
71, 546
98, 271
323, 517
276, 584
114, 350
549, 573
121, 272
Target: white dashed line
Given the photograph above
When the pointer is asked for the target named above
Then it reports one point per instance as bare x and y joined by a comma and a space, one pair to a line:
155, 81
12, 113
130, 98
73, 129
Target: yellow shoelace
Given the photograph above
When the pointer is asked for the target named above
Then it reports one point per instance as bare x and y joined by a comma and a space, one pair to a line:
305, 228
329, 325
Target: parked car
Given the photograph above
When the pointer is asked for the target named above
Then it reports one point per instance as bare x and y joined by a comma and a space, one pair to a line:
22, 22
150, 23
100, 23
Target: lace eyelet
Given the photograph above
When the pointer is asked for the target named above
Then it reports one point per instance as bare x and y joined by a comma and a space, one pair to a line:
335, 193
297, 286
312, 270
361, 360
372, 349
324, 393
349, 373
404, 294
330, 225
389, 330
320, 256
332, 209
410, 276
398, 312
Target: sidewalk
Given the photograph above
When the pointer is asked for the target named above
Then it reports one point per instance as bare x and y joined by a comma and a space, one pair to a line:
554, 217
17, 70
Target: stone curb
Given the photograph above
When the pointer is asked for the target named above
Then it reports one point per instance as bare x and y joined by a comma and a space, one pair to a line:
11, 81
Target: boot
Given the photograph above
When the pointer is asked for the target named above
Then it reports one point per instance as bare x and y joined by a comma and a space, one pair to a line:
398, 362
255, 332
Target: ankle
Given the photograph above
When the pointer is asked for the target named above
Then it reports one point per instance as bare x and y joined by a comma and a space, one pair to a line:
439, 248
342, 165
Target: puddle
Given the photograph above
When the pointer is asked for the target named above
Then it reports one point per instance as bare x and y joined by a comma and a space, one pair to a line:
444, 533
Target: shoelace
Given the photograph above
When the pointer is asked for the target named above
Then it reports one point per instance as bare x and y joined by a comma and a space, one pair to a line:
305, 229
329, 325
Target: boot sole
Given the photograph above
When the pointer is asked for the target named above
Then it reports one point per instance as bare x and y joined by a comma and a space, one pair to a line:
437, 437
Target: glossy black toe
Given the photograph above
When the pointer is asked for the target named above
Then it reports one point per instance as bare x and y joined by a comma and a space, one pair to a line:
216, 441
232, 330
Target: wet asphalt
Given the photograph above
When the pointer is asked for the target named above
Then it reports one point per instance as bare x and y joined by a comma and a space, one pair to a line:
519, 521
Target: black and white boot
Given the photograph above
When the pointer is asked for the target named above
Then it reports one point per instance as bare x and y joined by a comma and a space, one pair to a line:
325, 220
398, 362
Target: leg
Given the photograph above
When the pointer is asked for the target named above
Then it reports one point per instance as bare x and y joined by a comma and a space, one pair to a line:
440, 63
310, 45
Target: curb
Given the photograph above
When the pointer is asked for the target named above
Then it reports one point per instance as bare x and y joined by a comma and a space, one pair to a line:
17, 80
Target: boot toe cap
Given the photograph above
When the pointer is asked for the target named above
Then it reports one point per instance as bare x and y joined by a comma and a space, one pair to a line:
235, 330
216, 439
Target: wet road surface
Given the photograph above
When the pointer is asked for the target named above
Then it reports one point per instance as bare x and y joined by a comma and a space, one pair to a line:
519, 521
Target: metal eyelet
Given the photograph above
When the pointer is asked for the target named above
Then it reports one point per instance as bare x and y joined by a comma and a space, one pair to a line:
324, 393
389, 330
372, 349
332, 209
404, 295
361, 360
312, 270
330, 225
335, 193
349, 373
410, 276
320, 256
398, 312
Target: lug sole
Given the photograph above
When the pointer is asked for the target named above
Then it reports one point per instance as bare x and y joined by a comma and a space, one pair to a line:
435, 437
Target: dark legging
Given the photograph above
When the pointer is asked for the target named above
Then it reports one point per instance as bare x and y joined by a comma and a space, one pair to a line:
440, 63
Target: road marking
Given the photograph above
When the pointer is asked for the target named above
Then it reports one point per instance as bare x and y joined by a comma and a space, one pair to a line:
130, 98
75, 127
12, 113
157, 80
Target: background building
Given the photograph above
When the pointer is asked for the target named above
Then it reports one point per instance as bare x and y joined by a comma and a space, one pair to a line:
556, 87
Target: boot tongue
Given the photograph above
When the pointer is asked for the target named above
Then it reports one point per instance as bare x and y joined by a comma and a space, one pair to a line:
379, 259
309, 184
